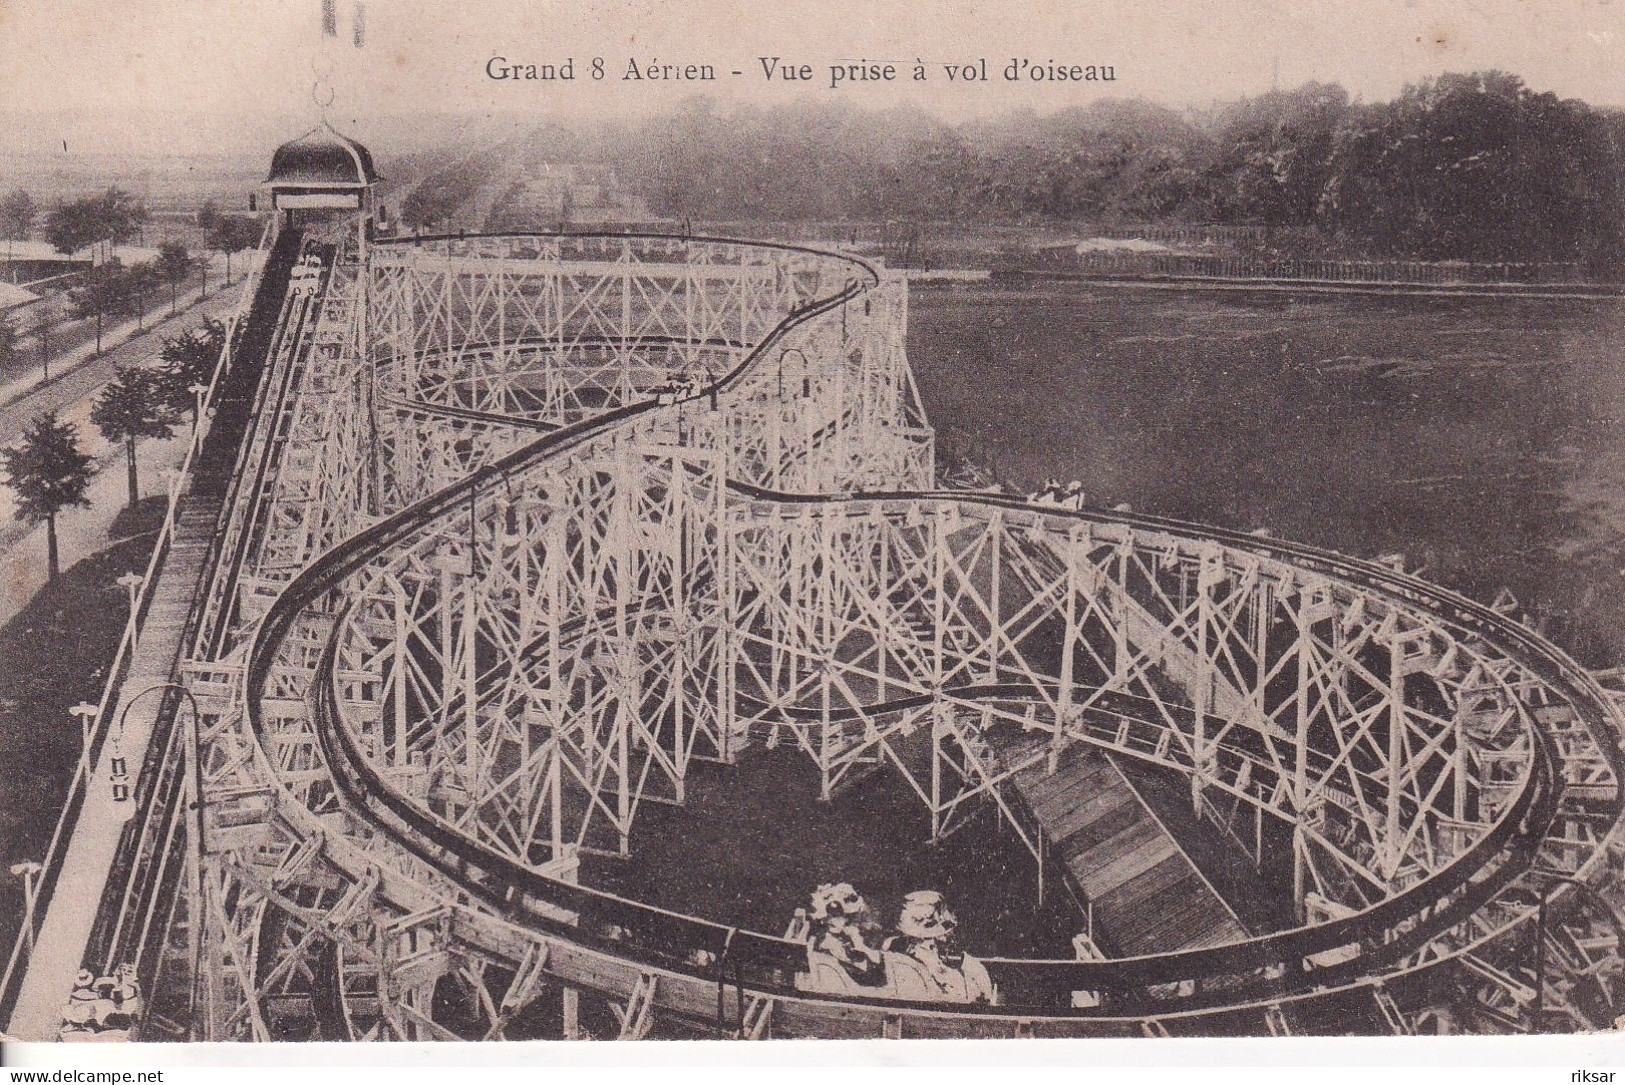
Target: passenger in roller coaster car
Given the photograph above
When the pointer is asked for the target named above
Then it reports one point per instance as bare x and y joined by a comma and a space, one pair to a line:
306, 274
123, 1004
1054, 495
926, 936
677, 391
841, 923
102, 1010
80, 1010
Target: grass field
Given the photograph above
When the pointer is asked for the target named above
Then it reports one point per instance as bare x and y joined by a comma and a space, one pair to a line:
1482, 437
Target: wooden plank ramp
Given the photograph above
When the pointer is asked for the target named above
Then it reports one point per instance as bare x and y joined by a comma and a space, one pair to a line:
1146, 894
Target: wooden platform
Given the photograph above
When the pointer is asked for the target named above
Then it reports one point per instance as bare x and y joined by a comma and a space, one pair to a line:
1146, 895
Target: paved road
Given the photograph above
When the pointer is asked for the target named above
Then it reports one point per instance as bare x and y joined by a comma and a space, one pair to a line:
81, 532
84, 378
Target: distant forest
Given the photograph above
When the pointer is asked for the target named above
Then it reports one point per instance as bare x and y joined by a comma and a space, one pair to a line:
1461, 167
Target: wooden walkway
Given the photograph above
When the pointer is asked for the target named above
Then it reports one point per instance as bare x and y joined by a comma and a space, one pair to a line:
1146, 895
165, 638
91, 853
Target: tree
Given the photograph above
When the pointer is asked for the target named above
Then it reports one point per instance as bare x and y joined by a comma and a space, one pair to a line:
189, 360
105, 290
113, 216
1274, 154
174, 264
43, 331
71, 226
140, 279
132, 407
17, 215
207, 216
233, 233
8, 344
49, 473
118, 214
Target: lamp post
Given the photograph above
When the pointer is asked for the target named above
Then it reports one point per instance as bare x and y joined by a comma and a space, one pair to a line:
130, 582
29, 871
87, 717
197, 391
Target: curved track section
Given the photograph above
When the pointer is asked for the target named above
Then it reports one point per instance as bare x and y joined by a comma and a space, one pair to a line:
604, 506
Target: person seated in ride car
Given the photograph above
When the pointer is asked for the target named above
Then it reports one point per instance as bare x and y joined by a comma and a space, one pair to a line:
1050, 494
840, 922
123, 1004
926, 932
81, 1006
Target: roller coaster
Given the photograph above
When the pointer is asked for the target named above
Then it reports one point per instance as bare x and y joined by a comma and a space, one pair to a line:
518, 529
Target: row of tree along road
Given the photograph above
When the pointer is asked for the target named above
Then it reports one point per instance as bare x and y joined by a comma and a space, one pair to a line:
50, 472
109, 288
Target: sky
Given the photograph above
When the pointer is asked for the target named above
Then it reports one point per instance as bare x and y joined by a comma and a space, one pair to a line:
198, 75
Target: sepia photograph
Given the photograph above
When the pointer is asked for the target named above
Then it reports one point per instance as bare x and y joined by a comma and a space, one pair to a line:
878, 522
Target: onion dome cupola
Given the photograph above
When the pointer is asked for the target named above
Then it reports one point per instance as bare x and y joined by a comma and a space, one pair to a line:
321, 169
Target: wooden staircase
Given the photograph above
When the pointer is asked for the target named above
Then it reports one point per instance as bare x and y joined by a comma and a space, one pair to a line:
1145, 894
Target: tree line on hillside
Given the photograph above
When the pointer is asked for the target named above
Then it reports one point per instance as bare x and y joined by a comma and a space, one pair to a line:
444, 190
1464, 166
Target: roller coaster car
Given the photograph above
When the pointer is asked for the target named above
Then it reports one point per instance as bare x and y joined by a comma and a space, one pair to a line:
676, 392
306, 275
118, 779
102, 1011
906, 979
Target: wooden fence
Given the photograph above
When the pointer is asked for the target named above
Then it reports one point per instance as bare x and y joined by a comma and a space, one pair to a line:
1117, 264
